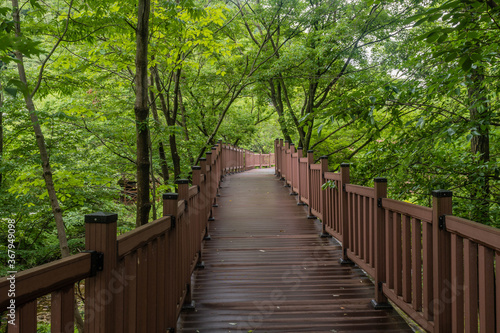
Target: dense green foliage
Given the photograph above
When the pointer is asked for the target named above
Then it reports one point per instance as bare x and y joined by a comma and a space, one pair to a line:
403, 89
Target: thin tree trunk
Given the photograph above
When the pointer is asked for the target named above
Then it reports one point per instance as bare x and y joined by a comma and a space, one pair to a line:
279, 111
44, 156
141, 110
161, 149
480, 144
1, 132
184, 123
176, 161
40, 140
152, 178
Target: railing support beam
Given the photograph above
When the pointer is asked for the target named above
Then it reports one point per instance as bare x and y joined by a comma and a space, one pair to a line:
380, 300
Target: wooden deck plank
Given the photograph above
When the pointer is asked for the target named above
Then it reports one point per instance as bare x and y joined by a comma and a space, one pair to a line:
267, 269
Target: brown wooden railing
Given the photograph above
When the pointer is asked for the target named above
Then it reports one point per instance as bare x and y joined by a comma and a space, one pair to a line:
138, 281
253, 160
442, 271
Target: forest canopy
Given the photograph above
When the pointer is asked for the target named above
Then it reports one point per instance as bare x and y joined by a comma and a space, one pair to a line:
99, 95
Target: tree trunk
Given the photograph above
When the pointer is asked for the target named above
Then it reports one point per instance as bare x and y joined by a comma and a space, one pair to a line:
152, 178
184, 124
176, 161
279, 111
142, 113
1, 133
480, 145
40, 140
161, 149
44, 156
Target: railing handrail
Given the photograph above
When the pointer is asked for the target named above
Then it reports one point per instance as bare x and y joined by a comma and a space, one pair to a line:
38, 281
181, 229
436, 267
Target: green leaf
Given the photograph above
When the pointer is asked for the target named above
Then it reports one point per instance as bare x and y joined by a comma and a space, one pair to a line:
451, 56
419, 22
421, 122
320, 128
466, 65
11, 91
432, 37
443, 37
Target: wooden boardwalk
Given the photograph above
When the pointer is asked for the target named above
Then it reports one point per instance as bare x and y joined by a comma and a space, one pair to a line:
267, 269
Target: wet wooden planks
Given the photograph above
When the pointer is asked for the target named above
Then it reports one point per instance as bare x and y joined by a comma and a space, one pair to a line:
267, 269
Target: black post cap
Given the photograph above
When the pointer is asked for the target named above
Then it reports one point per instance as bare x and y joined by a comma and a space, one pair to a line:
220, 140
170, 196
299, 147
323, 157
345, 165
181, 181
442, 193
380, 180
214, 148
310, 151
101, 217
209, 153
196, 167
292, 144
287, 141
203, 159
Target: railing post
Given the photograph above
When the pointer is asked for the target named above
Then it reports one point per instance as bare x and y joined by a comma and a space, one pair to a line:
380, 301
182, 188
310, 161
280, 152
100, 236
344, 217
208, 181
233, 159
285, 162
236, 159
276, 142
242, 160
238, 152
225, 159
185, 246
216, 161
292, 171
299, 155
322, 195
221, 160
170, 204
215, 177
196, 170
441, 239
